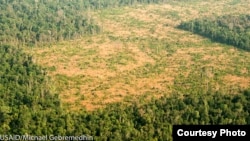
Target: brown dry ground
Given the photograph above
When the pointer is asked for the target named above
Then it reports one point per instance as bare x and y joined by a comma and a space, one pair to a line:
129, 59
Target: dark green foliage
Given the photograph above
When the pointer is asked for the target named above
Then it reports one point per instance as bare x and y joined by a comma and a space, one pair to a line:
230, 29
24, 92
30, 22
154, 120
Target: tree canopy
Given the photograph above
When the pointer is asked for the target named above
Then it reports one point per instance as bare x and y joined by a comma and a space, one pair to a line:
229, 29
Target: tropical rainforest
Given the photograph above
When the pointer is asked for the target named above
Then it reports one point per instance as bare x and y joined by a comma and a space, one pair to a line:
122, 69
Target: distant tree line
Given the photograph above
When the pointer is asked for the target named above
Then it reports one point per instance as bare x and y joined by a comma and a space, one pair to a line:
27, 106
33, 22
229, 29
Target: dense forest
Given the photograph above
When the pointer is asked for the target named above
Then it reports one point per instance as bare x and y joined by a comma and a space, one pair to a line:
31, 22
229, 29
23, 89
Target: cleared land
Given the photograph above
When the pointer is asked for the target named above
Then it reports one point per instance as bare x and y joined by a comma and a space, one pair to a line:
140, 53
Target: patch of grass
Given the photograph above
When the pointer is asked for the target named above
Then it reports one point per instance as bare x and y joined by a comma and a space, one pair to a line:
53, 68
134, 22
121, 58
234, 2
174, 15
